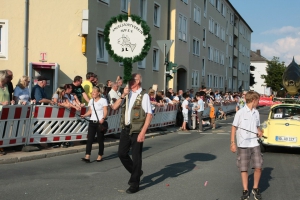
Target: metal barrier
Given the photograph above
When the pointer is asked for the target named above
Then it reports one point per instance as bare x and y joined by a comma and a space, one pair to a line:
26, 125
14, 125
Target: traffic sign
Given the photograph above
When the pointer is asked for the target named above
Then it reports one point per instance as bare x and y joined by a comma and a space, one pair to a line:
162, 43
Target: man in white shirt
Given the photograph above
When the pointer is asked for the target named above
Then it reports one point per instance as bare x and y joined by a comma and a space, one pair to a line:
136, 139
246, 129
200, 109
113, 94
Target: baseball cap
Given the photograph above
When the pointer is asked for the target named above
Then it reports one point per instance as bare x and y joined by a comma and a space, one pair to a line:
42, 78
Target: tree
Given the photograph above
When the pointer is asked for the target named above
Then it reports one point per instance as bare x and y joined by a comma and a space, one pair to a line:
274, 71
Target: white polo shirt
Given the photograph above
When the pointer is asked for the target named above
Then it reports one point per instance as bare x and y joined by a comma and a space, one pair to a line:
248, 120
146, 105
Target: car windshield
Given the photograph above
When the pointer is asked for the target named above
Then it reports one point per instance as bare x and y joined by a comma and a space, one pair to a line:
286, 112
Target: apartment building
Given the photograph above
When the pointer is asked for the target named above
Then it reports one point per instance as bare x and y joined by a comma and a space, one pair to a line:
70, 34
212, 45
211, 41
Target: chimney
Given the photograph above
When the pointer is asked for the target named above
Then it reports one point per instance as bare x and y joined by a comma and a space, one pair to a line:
258, 51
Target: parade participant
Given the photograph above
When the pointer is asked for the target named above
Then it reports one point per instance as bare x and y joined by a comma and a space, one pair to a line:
97, 124
136, 117
200, 109
247, 146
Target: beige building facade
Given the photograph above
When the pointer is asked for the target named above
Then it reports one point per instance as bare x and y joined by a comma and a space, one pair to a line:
211, 41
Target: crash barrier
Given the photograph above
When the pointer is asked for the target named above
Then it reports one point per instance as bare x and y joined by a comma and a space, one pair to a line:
27, 125
226, 107
14, 125
267, 101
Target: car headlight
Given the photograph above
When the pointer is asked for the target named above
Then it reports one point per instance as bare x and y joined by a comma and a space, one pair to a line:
264, 125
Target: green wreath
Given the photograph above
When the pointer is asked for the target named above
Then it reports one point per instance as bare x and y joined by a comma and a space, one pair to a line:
127, 61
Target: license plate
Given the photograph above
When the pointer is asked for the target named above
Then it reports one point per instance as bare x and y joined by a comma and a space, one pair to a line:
286, 139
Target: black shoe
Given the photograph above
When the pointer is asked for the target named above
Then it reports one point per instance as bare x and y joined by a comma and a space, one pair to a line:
129, 183
245, 195
132, 189
85, 160
99, 160
256, 194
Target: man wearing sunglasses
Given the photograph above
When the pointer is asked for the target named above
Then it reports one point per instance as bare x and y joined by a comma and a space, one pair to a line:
136, 117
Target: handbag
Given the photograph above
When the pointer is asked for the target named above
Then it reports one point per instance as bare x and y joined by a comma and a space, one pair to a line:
104, 125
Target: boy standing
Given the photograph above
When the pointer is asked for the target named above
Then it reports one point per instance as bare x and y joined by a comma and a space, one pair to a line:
185, 110
246, 121
212, 116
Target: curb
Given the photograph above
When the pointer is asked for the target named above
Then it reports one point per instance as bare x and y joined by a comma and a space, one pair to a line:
28, 156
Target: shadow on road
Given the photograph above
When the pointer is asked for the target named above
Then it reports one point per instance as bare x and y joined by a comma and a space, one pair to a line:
115, 155
264, 179
176, 169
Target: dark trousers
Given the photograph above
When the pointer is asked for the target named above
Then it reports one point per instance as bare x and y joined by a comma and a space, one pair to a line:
200, 120
92, 130
134, 165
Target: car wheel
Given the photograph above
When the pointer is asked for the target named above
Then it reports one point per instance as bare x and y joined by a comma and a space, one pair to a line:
262, 148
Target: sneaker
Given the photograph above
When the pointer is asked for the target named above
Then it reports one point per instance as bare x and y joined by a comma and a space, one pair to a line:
245, 195
213, 128
256, 194
180, 129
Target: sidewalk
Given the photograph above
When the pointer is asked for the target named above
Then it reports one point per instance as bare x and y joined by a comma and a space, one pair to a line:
19, 156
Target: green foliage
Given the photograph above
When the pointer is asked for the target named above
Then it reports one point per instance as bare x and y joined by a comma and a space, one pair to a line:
127, 61
274, 70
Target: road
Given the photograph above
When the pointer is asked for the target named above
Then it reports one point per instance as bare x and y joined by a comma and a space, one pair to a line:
176, 166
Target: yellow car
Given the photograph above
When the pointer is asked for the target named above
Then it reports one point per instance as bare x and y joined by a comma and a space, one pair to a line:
282, 127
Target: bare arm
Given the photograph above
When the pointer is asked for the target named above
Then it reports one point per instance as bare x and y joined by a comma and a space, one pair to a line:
88, 113
141, 136
232, 139
86, 98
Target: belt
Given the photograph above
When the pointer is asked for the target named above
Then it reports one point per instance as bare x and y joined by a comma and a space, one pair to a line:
94, 121
128, 126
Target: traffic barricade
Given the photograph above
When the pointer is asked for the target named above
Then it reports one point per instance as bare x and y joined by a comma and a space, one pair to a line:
113, 120
50, 124
157, 117
14, 125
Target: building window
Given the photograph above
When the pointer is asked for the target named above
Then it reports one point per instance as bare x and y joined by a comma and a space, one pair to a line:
3, 39
212, 2
204, 37
223, 9
209, 80
156, 15
195, 78
155, 59
230, 83
102, 55
197, 15
124, 6
104, 1
215, 82
185, 1
141, 64
218, 5
143, 9
210, 53
203, 67
211, 24
230, 61
196, 47
204, 8
226, 73
182, 27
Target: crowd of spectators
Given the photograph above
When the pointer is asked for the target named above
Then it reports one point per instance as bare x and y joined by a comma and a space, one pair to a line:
78, 93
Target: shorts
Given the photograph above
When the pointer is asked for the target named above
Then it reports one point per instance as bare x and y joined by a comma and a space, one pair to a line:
185, 117
250, 156
212, 120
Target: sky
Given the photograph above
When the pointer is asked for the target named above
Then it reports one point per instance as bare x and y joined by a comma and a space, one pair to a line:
275, 25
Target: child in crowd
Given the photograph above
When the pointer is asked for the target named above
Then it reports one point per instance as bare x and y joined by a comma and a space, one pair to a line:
212, 116
221, 114
185, 110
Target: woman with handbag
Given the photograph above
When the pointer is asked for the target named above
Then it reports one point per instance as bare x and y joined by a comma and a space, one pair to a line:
97, 124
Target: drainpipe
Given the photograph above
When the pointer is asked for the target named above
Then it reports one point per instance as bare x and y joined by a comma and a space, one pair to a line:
26, 38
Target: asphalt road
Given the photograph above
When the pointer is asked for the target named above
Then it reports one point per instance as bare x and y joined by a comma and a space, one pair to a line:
182, 165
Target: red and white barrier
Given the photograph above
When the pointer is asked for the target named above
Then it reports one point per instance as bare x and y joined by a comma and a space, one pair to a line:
14, 125
267, 101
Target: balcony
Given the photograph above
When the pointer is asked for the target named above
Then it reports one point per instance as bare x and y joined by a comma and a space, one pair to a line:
236, 32
235, 52
234, 72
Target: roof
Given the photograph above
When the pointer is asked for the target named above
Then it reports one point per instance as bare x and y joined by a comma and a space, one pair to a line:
256, 56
